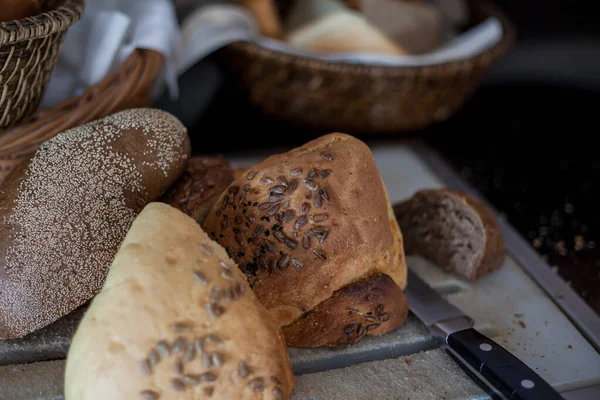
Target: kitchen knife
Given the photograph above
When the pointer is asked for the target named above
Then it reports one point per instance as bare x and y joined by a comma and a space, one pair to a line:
498, 372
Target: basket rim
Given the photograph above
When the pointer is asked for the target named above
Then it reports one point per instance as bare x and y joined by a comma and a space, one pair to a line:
43, 24
480, 60
129, 82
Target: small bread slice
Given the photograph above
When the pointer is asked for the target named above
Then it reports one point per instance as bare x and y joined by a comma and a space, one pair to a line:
453, 230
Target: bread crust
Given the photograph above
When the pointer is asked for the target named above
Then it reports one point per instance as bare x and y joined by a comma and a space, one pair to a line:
239, 171
154, 328
267, 17
294, 264
492, 256
343, 32
372, 307
203, 181
65, 211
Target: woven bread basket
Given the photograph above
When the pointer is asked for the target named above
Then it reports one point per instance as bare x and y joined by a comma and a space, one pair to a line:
129, 87
331, 96
29, 49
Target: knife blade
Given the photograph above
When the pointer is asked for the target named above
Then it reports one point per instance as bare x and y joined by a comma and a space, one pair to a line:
501, 374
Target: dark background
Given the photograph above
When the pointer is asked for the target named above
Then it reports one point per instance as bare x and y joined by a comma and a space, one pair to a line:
526, 140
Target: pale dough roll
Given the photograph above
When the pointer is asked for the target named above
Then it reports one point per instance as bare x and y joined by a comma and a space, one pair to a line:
176, 320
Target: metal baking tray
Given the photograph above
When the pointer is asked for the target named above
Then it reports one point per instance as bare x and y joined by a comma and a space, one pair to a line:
524, 306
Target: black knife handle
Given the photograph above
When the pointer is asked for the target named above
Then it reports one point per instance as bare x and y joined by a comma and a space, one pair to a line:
505, 372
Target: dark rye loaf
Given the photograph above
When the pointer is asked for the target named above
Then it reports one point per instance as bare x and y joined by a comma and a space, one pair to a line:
66, 210
453, 230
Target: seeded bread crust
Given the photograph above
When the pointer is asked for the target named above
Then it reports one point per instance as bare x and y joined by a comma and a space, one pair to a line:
304, 224
176, 319
203, 181
485, 228
239, 172
371, 307
65, 211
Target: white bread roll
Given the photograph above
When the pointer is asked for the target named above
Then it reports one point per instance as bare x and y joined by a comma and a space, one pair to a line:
414, 25
328, 26
160, 329
304, 12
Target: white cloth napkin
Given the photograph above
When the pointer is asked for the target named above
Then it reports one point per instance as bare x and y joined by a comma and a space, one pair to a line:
108, 32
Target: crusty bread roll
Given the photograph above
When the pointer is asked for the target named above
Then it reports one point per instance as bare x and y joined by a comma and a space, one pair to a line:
239, 171
306, 224
267, 17
453, 230
65, 211
414, 25
12, 10
176, 320
456, 12
372, 306
203, 181
327, 26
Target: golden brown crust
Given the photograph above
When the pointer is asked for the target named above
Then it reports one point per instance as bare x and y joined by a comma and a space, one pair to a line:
267, 17
158, 326
309, 222
371, 307
492, 255
203, 181
239, 171
65, 211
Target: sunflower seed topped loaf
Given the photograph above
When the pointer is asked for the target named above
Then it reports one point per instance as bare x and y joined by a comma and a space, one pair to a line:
65, 211
453, 230
308, 226
203, 181
176, 320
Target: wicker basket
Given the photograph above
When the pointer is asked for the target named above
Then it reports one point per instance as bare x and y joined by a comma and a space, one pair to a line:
29, 49
360, 98
131, 86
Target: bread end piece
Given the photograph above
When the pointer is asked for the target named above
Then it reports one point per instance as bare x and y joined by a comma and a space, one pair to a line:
453, 230
370, 307
239, 172
312, 221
